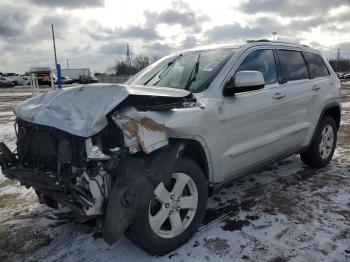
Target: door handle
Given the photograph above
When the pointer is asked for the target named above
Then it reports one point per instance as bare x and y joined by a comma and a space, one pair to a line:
315, 87
279, 96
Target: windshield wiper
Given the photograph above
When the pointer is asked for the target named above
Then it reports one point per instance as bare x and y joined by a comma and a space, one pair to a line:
193, 74
164, 68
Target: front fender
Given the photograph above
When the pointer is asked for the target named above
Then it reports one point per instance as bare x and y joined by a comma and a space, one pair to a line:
133, 190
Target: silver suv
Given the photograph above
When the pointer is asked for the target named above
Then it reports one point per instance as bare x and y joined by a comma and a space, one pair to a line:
144, 156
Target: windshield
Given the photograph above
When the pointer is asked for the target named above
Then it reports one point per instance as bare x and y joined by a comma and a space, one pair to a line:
193, 71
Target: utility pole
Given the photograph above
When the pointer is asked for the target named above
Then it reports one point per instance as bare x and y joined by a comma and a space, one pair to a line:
54, 43
67, 64
128, 55
338, 58
58, 66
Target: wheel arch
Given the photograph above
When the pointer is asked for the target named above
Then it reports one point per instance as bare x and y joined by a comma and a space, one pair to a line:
197, 150
333, 110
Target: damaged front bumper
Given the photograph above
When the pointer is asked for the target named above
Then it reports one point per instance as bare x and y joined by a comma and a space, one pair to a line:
13, 169
51, 187
35, 178
131, 192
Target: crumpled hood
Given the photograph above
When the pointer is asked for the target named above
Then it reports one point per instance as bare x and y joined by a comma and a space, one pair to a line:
82, 110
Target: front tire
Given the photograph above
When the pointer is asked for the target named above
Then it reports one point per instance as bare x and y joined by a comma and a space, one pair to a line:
175, 213
321, 150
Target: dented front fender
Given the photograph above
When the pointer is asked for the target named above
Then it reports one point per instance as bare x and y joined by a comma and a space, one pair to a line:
140, 131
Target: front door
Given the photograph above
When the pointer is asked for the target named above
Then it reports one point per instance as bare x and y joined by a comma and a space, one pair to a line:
252, 121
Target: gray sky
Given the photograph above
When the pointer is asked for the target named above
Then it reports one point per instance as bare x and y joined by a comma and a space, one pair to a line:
94, 33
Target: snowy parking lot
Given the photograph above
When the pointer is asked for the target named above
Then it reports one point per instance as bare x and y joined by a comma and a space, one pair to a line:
287, 212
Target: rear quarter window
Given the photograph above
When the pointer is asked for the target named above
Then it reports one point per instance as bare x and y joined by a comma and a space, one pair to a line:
317, 67
293, 65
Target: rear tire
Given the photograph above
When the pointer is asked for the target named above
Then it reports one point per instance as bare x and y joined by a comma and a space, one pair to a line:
160, 240
321, 150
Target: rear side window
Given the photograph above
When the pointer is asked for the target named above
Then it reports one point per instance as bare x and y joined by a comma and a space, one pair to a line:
316, 65
263, 61
293, 65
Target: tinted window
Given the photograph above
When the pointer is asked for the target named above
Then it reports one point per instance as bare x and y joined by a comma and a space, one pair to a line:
316, 65
293, 65
263, 61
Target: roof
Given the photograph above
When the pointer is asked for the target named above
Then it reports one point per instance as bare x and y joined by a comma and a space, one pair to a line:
253, 43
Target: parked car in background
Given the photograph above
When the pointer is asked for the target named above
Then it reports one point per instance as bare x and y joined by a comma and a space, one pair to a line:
8, 79
144, 156
16, 78
66, 80
23, 80
5, 83
345, 76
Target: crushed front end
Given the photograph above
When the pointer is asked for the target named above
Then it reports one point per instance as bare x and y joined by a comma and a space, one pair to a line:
62, 168
100, 150
110, 175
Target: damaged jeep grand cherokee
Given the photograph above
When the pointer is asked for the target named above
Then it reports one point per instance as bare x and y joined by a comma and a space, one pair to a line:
144, 156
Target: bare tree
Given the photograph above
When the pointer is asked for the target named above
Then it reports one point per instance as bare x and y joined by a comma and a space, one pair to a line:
340, 65
126, 67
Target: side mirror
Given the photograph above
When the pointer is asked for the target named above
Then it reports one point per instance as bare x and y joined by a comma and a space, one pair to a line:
245, 81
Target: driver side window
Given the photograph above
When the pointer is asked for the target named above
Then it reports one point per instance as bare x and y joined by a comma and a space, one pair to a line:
263, 61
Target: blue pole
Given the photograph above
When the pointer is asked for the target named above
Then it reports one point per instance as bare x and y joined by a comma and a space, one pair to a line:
58, 70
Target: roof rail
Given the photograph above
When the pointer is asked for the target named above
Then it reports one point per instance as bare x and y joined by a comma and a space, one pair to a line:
281, 42
258, 40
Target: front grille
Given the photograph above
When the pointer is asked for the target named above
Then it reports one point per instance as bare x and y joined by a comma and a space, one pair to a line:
37, 146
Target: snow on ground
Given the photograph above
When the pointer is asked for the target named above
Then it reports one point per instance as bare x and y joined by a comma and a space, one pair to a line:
346, 104
287, 212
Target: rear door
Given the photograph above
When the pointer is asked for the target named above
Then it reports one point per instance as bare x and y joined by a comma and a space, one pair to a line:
299, 101
322, 83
